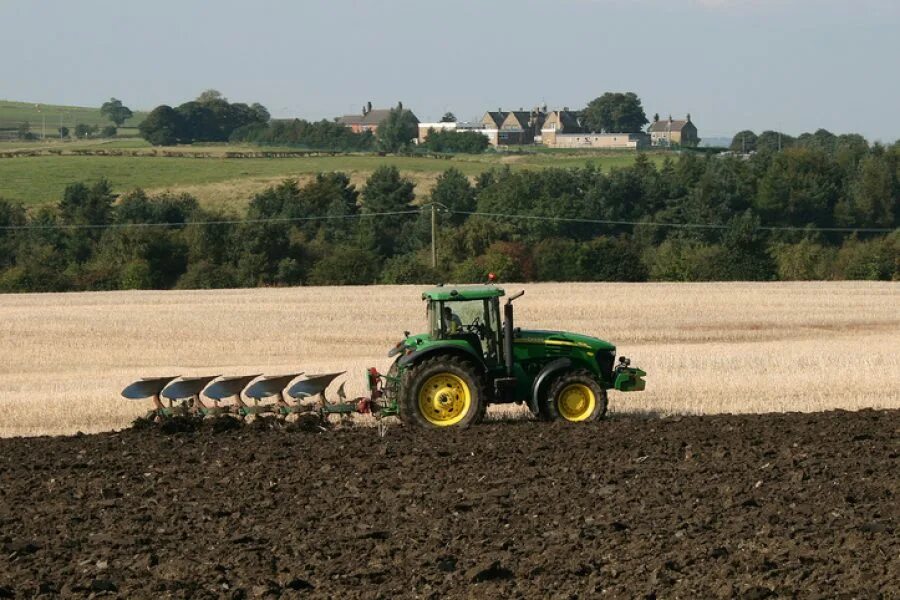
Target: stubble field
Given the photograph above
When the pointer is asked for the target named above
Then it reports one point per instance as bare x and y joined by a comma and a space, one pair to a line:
800, 504
708, 348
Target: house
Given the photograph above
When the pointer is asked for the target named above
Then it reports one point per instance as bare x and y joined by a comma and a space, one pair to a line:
559, 122
562, 129
673, 132
369, 120
491, 121
606, 141
516, 127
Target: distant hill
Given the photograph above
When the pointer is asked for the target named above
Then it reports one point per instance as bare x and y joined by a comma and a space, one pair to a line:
13, 114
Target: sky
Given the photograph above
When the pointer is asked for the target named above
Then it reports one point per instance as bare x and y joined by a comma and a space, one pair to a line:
789, 65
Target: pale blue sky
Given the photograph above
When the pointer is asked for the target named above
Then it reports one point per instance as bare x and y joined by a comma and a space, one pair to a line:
794, 65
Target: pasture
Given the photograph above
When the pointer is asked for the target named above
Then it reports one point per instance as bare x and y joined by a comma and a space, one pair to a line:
708, 348
13, 114
231, 182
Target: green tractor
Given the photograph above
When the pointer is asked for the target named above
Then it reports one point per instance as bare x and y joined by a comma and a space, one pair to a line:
470, 358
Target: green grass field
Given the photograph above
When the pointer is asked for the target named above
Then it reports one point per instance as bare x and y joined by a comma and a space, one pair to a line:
230, 183
13, 114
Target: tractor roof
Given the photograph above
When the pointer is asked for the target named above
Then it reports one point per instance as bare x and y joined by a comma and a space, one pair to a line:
470, 292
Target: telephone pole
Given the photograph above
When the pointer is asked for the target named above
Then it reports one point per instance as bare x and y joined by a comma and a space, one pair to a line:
433, 235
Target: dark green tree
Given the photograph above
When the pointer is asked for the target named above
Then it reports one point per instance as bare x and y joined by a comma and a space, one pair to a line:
398, 130
23, 132
162, 127
768, 141
468, 142
83, 130
448, 117
260, 112
615, 112
743, 142
346, 265
211, 95
386, 191
116, 112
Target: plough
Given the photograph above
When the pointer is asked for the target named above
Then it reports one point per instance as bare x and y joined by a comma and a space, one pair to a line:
472, 355
256, 395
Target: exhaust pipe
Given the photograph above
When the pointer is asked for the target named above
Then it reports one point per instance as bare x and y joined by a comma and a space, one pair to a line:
508, 328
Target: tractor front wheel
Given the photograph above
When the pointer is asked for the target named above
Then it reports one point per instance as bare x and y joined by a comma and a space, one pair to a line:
445, 391
575, 397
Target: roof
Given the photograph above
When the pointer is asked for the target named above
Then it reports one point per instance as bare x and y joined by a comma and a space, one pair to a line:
497, 116
521, 116
662, 125
567, 119
459, 293
373, 117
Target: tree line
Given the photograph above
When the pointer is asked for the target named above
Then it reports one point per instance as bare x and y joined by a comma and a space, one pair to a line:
765, 217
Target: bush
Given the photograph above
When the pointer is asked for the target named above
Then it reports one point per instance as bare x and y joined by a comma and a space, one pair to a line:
466, 142
204, 275
136, 275
110, 131
558, 259
346, 266
684, 260
85, 131
803, 261
876, 259
408, 268
610, 259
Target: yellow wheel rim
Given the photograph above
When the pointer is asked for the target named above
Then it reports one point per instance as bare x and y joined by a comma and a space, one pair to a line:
577, 402
444, 399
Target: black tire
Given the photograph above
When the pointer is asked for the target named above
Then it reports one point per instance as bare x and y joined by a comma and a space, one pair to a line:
429, 371
586, 387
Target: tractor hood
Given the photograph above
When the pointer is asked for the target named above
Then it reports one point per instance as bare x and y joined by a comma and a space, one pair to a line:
561, 338
410, 343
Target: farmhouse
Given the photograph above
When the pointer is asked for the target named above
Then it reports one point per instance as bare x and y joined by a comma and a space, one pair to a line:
369, 120
559, 122
672, 132
515, 127
610, 141
562, 129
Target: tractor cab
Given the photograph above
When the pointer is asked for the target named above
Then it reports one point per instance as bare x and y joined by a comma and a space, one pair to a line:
468, 314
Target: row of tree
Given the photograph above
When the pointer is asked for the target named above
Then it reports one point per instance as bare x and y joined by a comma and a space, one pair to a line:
209, 118
746, 142
699, 218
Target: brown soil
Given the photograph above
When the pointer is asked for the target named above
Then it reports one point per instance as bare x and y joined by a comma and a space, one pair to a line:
794, 505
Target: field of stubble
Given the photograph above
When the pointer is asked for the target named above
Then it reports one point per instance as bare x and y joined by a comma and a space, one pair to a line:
708, 348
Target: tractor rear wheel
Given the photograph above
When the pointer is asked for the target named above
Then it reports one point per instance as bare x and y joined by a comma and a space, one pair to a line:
445, 391
575, 397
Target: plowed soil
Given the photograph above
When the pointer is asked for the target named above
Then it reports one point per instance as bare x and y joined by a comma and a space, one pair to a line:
792, 505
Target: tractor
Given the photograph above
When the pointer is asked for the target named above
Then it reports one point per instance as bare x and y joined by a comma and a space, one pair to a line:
470, 358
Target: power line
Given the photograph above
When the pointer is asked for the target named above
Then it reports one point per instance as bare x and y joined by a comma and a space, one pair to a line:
204, 223
438, 208
659, 224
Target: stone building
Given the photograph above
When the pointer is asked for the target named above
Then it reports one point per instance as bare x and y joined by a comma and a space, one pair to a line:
672, 132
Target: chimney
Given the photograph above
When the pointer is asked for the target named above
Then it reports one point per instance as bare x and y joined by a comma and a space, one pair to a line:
689, 117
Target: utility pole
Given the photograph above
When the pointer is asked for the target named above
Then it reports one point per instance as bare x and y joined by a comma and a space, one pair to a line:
433, 235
